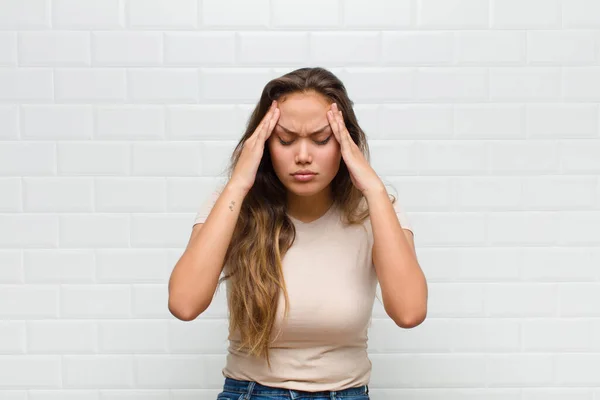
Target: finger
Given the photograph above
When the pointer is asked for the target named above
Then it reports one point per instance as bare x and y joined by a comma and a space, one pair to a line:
345, 135
271, 125
338, 128
335, 112
260, 126
265, 120
333, 124
331, 121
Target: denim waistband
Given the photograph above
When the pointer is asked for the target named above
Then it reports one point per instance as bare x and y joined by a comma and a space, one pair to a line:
251, 387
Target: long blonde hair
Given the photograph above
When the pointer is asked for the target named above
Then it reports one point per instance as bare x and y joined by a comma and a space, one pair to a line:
264, 233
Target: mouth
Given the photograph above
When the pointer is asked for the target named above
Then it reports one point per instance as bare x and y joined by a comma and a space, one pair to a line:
304, 177
304, 172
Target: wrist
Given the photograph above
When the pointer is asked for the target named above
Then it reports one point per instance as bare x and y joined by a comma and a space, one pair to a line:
375, 192
236, 189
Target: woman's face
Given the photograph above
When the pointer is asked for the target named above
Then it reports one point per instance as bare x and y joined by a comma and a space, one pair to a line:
303, 139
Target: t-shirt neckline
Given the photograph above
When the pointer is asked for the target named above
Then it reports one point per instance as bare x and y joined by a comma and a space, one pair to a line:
317, 221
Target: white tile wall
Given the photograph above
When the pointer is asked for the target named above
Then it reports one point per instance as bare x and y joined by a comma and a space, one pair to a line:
116, 116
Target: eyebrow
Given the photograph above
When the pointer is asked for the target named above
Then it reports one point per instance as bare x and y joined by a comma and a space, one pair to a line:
311, 134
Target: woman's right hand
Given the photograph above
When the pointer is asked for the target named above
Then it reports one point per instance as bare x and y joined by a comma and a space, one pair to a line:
244, 173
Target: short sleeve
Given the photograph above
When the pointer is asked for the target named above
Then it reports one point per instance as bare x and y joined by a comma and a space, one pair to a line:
207, 205
402, 217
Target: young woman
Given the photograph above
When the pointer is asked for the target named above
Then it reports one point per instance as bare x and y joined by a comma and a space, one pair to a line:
303, 230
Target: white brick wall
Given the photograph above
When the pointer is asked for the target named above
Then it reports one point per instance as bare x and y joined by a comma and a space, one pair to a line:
116, 116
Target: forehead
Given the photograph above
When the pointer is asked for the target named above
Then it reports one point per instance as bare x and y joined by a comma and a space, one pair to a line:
303, 112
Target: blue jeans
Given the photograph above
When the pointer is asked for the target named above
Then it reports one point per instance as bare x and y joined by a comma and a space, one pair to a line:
234, 389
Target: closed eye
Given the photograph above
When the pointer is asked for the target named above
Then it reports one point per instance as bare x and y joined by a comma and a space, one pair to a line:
320, 143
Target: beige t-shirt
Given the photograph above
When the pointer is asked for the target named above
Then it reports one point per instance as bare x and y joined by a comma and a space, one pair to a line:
331, 284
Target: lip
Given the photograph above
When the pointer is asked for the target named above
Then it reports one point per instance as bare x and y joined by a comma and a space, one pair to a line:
304, 172
304, 177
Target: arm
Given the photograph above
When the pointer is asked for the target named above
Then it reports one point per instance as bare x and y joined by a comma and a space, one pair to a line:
402, 281
195, 277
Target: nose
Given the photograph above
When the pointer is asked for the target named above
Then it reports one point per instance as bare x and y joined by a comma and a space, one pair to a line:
303, 155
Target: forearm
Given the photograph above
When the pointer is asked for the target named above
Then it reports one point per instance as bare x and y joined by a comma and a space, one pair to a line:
195, 276
402, 281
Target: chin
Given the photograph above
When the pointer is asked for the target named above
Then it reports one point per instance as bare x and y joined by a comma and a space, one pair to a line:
305, 188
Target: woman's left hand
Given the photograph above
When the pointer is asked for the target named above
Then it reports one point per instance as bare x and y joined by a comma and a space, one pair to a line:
363, 176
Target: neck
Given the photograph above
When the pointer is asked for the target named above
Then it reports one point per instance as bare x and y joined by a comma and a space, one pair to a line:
309, 207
